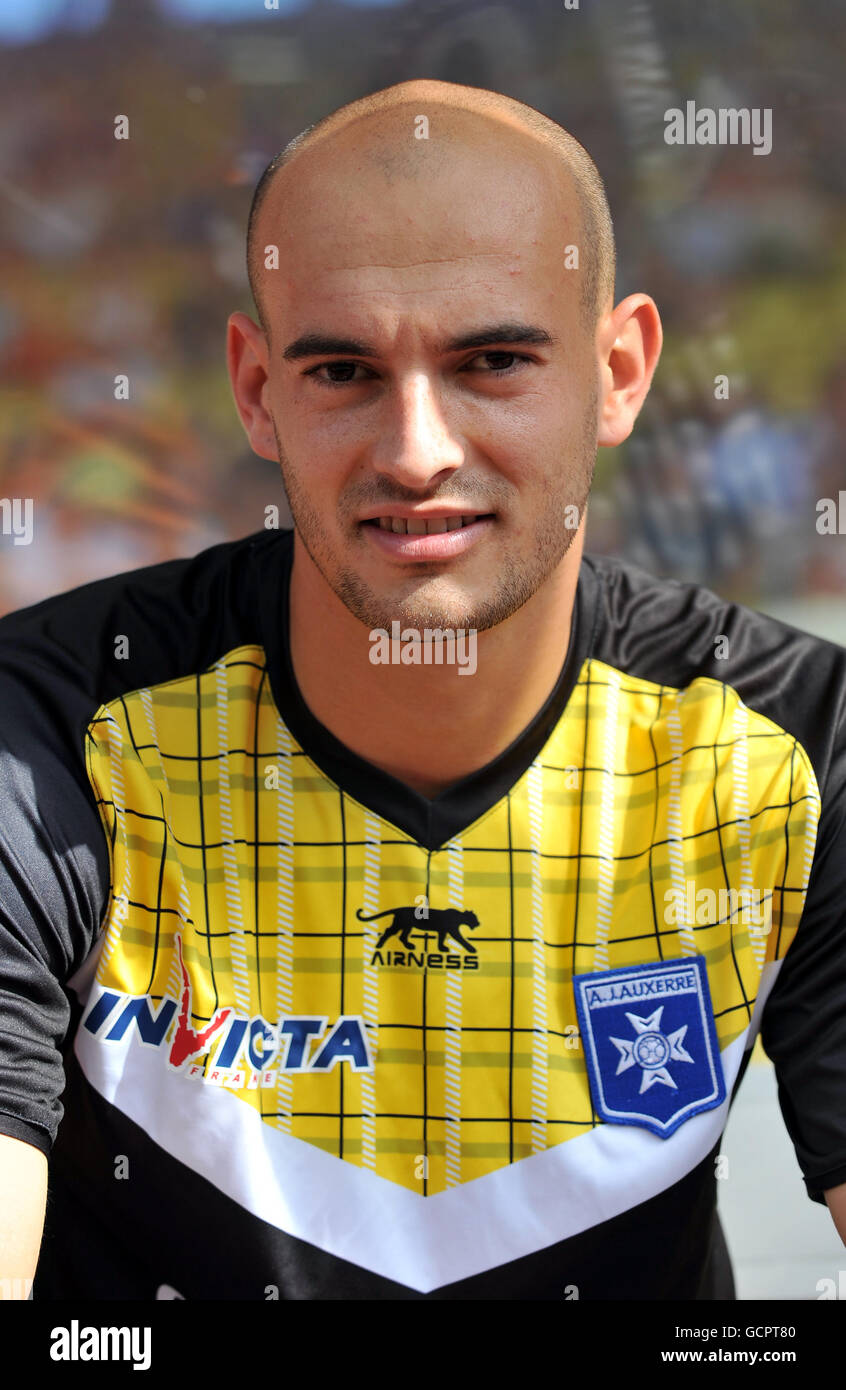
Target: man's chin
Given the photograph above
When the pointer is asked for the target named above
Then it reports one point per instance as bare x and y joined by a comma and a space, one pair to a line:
379, 611
378, 595
431, 602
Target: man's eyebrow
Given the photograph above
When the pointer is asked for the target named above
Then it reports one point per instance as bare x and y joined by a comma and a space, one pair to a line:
324, 345
510, 332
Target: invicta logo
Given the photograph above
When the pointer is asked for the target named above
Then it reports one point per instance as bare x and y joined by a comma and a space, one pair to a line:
438, 926
248, 1052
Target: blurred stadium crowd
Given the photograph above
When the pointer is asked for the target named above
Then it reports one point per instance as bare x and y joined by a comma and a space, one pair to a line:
127, 257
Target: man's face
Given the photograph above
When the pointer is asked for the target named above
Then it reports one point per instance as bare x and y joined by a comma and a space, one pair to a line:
410, 426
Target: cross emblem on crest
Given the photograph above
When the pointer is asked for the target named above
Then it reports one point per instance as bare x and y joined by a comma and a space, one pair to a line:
651, 1049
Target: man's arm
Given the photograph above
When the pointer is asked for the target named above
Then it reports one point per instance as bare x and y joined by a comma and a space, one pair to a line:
803, 1023
836, 1198
54, 880
23, 1199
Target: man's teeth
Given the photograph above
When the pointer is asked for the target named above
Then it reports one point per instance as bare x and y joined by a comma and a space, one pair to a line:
418, 526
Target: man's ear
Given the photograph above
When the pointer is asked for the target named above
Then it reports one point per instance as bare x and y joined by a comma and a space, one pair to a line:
247, 363
629, 345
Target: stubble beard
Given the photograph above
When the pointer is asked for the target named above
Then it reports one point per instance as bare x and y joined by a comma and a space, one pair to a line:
518, 578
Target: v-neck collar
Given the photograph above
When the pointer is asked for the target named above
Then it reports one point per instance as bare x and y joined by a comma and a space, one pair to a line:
431, 822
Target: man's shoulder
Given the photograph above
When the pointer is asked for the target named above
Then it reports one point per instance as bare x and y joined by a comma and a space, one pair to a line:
682, 622
140, 626
673, 632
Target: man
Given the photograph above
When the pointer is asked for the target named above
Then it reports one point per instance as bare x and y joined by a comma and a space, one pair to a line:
417, 975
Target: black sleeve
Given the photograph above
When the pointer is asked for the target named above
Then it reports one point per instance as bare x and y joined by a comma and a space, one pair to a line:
803, 1026
58, 665
54, 882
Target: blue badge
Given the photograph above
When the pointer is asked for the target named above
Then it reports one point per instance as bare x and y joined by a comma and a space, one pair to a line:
650, 1043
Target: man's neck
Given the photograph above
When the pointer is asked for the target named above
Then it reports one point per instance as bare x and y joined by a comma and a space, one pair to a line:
428, 725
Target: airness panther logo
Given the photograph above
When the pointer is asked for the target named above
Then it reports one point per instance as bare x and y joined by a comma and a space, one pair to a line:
441, 923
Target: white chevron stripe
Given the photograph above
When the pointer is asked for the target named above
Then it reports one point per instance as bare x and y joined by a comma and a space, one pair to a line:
348, 1211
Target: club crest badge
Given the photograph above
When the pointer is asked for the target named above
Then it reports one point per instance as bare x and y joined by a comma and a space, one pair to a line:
650, 1043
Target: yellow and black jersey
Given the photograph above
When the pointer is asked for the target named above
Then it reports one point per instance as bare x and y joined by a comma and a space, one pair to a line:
289, 1029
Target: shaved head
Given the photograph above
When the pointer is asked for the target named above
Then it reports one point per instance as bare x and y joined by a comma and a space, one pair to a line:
379, 131
437, 347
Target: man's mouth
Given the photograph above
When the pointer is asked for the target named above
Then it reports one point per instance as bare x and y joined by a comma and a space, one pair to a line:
422, 526
425, 539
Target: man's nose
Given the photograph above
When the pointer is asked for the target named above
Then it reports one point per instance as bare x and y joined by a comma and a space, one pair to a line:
415, 440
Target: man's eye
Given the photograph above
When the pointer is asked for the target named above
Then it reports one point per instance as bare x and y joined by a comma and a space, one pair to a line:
344, 370
343, 373
500, 363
